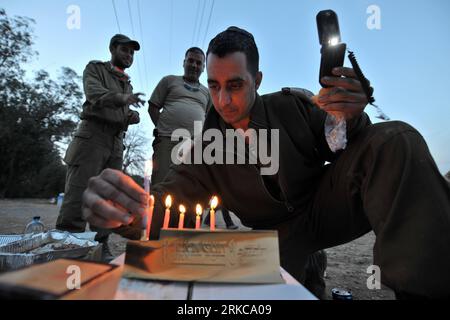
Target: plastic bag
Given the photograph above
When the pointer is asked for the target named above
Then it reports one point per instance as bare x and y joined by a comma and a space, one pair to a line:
336, 132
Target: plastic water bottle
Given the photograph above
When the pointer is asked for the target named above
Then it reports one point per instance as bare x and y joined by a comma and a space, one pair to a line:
35, 226
59, 200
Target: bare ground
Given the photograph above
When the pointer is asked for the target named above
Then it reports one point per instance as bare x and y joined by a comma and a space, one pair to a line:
347, 264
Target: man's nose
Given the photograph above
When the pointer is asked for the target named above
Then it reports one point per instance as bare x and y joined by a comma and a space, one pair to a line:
224, 97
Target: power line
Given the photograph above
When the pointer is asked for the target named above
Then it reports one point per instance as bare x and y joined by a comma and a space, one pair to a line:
131, 17
143, 44
209, 20
132, 32
115, 13
171, 33
197, 39
195, 23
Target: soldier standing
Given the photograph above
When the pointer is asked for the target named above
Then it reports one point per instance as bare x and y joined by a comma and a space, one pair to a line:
98, 141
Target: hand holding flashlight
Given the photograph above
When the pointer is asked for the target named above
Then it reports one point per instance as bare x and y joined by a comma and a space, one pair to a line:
343, 95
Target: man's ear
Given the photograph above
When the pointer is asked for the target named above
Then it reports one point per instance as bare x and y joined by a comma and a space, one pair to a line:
258, 79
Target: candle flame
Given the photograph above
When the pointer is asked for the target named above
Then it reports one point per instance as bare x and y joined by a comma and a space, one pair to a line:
148, 168
198, 209
214, 202
182, 209
168, 201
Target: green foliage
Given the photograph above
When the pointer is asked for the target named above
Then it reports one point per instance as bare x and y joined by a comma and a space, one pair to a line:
34, 114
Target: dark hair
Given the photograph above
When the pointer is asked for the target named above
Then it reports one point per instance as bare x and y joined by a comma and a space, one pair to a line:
235, 39
113, 46
195, 50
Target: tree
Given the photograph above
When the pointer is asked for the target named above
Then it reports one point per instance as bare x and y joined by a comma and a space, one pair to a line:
134, 156
34, 114
15, 44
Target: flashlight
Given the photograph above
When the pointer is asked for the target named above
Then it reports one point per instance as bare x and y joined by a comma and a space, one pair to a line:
333, 50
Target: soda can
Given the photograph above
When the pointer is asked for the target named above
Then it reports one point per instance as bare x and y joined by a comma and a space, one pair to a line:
341, 294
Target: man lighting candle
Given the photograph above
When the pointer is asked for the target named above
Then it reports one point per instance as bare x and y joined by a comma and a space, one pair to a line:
385, 180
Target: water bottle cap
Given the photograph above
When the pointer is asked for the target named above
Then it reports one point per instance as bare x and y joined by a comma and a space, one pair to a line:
37, 218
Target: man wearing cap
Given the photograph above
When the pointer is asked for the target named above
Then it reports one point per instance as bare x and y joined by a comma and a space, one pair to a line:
98, 141
384, 181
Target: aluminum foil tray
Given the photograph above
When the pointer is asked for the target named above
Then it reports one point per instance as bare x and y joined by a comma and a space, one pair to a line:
5, 238
43, 247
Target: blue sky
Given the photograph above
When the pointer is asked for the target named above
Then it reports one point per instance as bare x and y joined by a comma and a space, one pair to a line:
407, 59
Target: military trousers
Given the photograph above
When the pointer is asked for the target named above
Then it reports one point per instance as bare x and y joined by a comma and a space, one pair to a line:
94, 147
386, 181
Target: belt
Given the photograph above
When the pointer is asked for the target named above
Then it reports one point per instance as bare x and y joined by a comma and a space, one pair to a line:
105, 127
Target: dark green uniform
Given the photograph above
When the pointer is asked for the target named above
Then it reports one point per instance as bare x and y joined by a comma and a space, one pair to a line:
98, 141
385, 181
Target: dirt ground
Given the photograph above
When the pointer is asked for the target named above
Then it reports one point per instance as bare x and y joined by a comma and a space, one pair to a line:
347, 264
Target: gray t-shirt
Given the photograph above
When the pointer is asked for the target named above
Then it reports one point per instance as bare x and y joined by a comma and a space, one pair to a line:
181, 106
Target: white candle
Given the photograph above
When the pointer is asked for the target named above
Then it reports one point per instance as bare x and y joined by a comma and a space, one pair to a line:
150, 216
148, 175
212, 214
198, 211
167, 213
147, 218
144, 228
181, 221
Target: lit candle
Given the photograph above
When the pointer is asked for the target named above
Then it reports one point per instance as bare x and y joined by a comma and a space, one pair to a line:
198, 210
147, 218
181, 221
212, 214
167, 213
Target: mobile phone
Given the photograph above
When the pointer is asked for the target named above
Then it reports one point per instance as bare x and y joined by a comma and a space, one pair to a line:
333, 50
